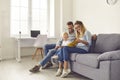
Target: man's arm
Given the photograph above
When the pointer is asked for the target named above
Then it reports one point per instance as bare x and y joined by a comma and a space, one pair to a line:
59, 43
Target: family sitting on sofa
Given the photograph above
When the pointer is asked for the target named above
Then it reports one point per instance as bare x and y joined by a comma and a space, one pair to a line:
96, 57
76, 40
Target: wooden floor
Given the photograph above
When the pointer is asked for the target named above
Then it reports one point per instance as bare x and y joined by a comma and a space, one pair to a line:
12, 70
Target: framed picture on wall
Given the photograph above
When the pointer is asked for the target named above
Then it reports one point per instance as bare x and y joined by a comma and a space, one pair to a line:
111, 2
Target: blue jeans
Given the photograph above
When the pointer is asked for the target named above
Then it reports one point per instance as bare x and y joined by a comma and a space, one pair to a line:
48, 56
66, 51
47, 47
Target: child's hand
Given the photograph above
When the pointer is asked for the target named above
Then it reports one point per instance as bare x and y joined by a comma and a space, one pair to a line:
56, 47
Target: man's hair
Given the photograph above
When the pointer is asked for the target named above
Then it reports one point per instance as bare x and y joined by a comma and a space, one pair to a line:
70, 23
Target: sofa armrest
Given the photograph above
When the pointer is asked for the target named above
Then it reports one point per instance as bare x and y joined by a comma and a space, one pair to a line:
112, 55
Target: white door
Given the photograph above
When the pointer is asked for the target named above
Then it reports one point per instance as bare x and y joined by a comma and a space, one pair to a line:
0, 31
0, 48
0, 54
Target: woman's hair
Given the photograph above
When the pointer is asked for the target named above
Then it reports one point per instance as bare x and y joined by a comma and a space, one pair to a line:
83, 29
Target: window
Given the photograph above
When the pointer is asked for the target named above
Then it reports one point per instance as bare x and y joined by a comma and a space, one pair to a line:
19, 17
29, 15
39, 15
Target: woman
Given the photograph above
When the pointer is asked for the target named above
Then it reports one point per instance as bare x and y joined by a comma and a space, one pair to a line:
83, 37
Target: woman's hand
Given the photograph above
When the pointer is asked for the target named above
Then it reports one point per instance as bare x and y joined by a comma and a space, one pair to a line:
78, 40
82, 41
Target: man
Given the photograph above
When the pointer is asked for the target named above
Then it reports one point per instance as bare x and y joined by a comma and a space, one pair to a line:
51, 49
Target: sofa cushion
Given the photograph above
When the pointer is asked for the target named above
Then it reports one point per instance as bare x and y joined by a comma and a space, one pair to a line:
73, 56
107, 42
112, 55
88, 59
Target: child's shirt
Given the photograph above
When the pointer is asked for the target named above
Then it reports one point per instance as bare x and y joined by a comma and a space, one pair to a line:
65, 43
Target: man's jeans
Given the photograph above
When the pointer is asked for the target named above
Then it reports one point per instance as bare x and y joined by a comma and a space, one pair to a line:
47, 47
48, 56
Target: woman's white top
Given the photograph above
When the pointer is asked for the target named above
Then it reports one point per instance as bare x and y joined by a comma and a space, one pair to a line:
87, 37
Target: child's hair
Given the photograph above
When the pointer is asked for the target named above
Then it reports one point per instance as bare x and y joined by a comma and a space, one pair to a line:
65, 36
73, 43
65, 33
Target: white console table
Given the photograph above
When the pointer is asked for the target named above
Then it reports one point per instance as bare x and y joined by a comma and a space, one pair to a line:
23, 42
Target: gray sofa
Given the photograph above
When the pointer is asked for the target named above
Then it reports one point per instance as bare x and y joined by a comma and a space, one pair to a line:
103, 60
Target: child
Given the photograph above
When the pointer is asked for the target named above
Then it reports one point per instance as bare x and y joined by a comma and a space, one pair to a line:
65, 42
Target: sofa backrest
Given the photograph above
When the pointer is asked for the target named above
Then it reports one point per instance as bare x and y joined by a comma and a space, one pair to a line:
107, 42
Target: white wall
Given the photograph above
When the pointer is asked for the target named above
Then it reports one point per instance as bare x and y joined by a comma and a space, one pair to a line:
0, 32
0, 42
57, 18
66, 13
63, 14
6, 41
97, 15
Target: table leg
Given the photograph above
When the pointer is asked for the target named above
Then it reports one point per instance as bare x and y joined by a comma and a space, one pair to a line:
18, 58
